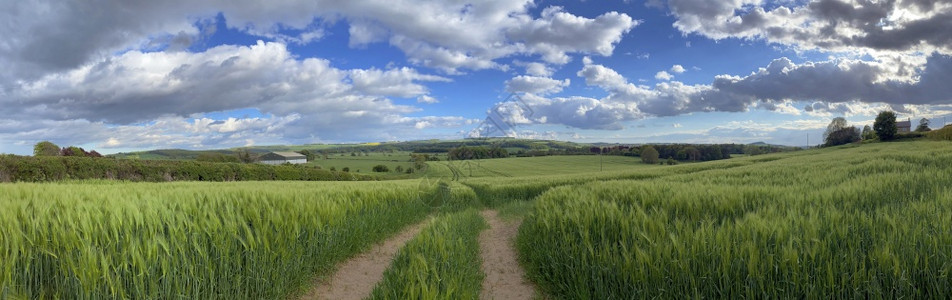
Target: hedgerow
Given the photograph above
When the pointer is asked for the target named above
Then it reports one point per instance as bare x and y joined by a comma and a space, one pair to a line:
55, 168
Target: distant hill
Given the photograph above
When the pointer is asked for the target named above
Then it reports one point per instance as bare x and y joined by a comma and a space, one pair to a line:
424, 146
513, 145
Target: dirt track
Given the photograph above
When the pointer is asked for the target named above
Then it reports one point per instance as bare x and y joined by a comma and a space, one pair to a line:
356, 277
505, 278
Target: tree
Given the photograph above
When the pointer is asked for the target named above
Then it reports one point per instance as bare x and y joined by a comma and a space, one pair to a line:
843, 136
868, 133
923, 125
838, 123
381, 168
692, 153
46, 148
245, 156
838, 133
649, 155
310, 156
885, 125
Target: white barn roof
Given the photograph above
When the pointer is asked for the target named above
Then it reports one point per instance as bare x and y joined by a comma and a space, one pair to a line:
285, 155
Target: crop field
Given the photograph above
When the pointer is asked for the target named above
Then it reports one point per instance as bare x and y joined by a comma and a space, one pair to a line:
534, 166
259, 240
441, 262
859, 221
868, 222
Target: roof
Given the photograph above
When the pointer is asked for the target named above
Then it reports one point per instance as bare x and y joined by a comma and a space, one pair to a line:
285, 155
904, 124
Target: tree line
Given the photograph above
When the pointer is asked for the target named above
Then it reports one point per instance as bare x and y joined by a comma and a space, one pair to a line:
477, 152
47, 148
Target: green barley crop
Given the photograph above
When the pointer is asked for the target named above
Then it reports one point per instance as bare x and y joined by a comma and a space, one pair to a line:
441, 263
260, 240
855, 222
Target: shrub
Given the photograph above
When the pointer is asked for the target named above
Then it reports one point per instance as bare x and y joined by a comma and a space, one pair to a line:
649, 155
381, 168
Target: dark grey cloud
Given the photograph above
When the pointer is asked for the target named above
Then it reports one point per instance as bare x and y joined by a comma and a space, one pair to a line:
837, 86
834, 25
843, 81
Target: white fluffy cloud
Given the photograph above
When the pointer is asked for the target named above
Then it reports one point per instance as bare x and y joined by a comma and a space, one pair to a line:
153, 99
663, 75
677, 69
427, 99
535, 85
137, 86
51, 36
537, 69
558, 32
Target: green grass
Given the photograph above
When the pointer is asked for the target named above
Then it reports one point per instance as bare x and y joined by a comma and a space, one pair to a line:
868, 222
110, 239
442, 262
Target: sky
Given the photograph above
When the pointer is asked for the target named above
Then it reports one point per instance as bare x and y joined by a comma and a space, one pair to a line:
119, 75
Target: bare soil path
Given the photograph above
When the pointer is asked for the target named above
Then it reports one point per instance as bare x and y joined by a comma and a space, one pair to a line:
505, 278
356, 277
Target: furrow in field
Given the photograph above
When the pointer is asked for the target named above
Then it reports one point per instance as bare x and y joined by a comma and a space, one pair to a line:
356, 277
505, 278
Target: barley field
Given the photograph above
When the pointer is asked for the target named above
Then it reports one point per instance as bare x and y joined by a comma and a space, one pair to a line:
258, 240
858, 221
868, 222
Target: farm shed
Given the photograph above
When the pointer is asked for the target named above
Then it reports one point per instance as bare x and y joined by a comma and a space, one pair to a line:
277, 158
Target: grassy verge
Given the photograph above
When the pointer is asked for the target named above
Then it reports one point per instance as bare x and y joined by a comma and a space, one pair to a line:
259, 240
858, 222
441, 263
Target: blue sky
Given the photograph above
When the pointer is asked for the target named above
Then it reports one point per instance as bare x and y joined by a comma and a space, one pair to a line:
217, 74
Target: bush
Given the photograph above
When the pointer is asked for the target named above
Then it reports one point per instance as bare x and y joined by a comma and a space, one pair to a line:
381, 168
649, 155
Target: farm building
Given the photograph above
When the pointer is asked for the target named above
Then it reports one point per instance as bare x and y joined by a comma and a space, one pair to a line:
904, 126
277, 158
